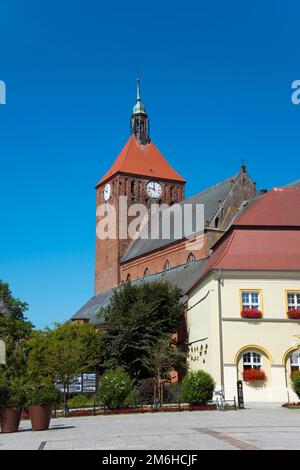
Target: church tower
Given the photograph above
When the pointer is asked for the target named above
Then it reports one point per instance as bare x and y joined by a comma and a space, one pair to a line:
143, 175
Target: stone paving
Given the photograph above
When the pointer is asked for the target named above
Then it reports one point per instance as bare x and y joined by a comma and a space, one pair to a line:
266, 426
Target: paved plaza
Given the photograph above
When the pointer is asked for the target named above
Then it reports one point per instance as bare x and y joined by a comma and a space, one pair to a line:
265, 426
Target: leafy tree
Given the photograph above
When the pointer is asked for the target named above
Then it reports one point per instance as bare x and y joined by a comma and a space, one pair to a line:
137, 316
63, 352
198, 387
161, 358
14, 331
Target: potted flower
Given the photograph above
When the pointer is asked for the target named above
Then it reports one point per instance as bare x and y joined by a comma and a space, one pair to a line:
40, 401
294, 314
12, 399
251, 313
252, 375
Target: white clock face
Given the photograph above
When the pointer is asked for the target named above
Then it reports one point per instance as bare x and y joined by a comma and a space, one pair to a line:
107, 192
154, 189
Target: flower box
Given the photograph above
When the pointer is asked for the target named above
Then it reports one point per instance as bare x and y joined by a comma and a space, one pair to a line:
252, 375
251, 313
294, 314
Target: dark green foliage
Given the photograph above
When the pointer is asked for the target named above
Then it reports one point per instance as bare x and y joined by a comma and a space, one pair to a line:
14, 331
175, 393
42, 394
114, 387
198, 387
12, 392
146, 392
137, 317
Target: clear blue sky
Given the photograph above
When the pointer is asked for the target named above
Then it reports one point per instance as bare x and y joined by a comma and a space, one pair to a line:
216, 80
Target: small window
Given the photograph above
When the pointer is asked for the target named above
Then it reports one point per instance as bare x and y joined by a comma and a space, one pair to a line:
295, 361
251, 360
190, 258
146, 272
216, 222
293, 299
167, 265
251, 299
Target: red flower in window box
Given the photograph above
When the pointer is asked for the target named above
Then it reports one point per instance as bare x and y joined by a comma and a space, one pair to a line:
294, 314
251, 313
251, 375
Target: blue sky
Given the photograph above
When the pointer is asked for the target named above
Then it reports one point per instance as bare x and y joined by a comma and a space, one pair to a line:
216, 82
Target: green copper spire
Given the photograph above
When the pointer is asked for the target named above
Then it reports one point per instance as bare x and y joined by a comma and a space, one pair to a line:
138, 108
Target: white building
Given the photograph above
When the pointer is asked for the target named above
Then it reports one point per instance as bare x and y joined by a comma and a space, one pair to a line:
253, 270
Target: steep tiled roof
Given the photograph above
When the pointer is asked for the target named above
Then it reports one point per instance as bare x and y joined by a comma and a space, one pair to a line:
266, 236
210, 198
142, 160
182, 276
278, 207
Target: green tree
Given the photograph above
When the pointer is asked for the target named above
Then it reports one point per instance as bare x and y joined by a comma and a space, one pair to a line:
161, 359
138, 316
14, 331
61, 353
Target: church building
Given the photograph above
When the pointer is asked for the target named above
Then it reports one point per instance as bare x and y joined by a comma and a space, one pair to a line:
248, 260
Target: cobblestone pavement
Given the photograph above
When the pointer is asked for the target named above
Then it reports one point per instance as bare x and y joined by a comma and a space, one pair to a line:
265, 426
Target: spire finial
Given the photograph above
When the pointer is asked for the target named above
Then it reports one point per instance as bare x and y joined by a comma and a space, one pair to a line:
138, 89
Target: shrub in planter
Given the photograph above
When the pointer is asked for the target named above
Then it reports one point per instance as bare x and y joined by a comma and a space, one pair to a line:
251, 313
198, 387
40, 401
252, 375
294, 314
114, 387
81, 400
295, 378
12, 399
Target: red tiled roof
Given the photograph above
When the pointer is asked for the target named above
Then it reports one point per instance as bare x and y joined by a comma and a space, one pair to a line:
142, 160
258, 249
278, 207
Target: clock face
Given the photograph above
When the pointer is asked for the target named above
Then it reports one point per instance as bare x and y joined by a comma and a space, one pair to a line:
154, 189
107, 192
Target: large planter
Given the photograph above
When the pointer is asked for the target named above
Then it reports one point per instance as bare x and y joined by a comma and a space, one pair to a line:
10, 419
40, 416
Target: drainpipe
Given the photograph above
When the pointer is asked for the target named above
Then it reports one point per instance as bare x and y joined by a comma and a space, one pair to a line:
221, 331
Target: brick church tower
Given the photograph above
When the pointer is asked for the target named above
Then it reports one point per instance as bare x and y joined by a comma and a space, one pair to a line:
143, 175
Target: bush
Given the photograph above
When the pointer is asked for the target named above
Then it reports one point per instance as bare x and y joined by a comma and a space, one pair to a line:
175, 393
295, 378
12, 392
198, 387
81, 400
42, 394
114, 387
146, 392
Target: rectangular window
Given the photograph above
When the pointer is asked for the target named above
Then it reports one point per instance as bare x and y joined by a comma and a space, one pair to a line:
251, 299
293, 300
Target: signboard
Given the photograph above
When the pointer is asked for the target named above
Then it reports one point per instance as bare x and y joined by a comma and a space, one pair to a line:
240, 394
2, 352
83, 383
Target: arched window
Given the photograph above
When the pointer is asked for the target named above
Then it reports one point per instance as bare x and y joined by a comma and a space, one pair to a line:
251, 360
146, 272
167, 265
295, 361
191, 257
128, 278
